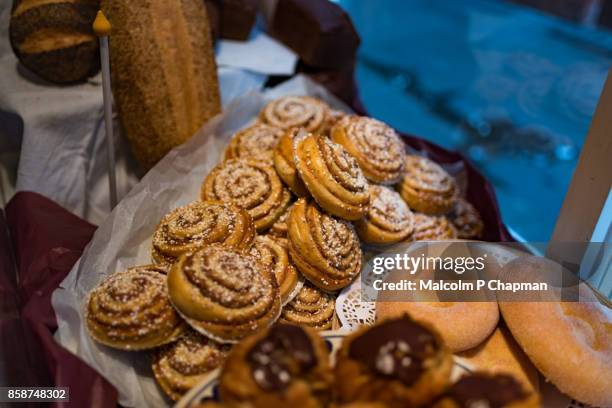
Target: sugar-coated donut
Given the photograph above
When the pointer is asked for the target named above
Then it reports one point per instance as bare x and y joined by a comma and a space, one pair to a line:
462, 325
569, 342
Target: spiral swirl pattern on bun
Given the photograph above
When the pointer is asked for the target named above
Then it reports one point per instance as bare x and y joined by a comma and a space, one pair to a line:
130, 310
427, 187
296, 111
324, 248
377, 147
311, 307
200, 223
257, 141
180, 366
389, 219
250, 184
432, 228
332, 176
224, 293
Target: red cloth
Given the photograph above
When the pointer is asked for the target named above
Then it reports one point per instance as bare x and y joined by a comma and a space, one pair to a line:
47, 240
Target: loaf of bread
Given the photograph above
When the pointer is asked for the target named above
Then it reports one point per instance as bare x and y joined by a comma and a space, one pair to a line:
54, 38
163, 72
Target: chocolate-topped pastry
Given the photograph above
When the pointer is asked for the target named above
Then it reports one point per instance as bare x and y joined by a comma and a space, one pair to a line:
486, 390
284, 366
399, 362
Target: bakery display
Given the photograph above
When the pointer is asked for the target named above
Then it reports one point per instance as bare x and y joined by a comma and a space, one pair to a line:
399, 362
432, 228
427, 187
180, 366
324, 248
466, 219
311, 307
217, 283
257, 141
579, 360
54, 39
275, 257
295, 111
462, 325
388, 220
376, 147
190, 227
284, 366
285, 165
150, 67
332, 176
224, 293
486, 390
130, 310
250, 184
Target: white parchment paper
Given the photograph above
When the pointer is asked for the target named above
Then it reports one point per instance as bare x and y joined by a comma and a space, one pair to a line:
124, 238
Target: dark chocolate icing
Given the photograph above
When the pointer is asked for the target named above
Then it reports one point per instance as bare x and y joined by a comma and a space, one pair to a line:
487, 391
286, 352
396, 349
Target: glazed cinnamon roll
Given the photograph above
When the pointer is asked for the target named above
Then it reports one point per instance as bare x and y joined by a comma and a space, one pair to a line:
180, 366
295, 111
274, 256
324, 248
224, 293
311, 307
377, 147
130, 310
466, 220
200, 223
389, 219
250, 184
332, 176
432, 228
285, 165
427, 187
257, 141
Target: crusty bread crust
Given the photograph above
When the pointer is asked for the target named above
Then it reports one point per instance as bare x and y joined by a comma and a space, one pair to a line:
163, 71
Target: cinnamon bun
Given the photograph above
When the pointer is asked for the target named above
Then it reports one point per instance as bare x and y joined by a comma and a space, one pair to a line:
466, 220
285, 165
432, 228
295, 111
332, 176
250, 184
224, 293
180, 366
427, 187
324, 248
274, 256
257, 141
377, 148
130, 310
389, 219
311, 307
190, 227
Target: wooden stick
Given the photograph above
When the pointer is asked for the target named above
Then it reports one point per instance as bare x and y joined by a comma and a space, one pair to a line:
102, 28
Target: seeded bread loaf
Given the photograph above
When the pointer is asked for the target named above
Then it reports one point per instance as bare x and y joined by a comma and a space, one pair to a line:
54, 38
163, 72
